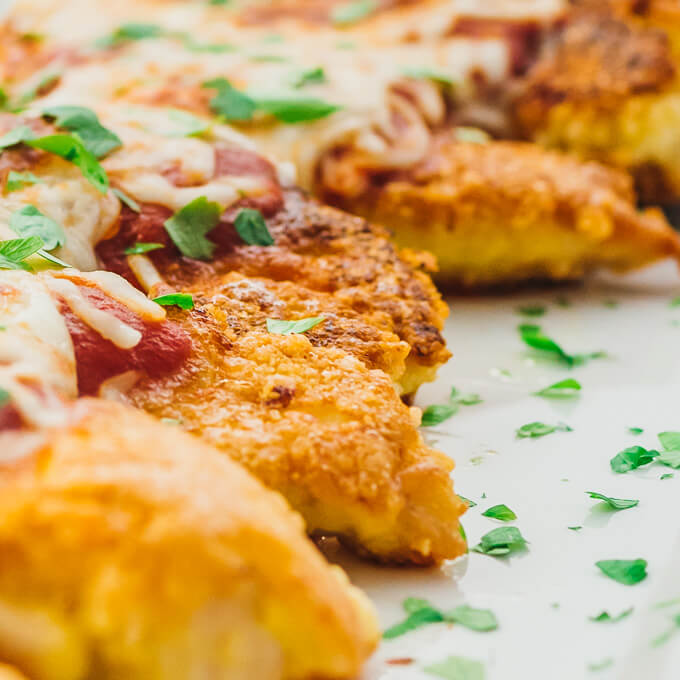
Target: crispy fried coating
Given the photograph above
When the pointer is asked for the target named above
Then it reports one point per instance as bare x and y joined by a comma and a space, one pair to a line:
10, 673
607, 90
315, 424
132, 550
505, 212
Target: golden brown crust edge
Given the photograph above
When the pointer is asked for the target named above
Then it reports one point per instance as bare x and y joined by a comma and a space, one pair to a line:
168, 555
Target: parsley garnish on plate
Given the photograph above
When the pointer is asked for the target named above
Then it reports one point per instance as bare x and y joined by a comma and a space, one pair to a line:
671, 454
141, 248
72, 149
4, 397
421, 612
575, 528
534, 337
613, 503
29, 221
438, 413
632, 458
627, 572
635, 430
17, 135
252, 228
310, 76
668, 475
186, 124
126, 200
457, 668
471, 504
181, 300
606, 617
229, 102
129, 32
18, 180
532, 310
428, 73
501, 541
283, 327
189, 225
14, 251
84, 123
601, 665
537, 429
500, 512
351, 12
664, 637
563, 389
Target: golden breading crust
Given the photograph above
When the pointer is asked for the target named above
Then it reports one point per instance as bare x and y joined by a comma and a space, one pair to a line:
607, 90
315, 424
506, 212
10, 673
132, 550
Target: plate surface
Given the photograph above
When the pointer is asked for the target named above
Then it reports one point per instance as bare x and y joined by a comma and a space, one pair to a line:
544, 597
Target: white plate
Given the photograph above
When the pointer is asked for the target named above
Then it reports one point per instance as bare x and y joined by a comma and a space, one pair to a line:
543, 598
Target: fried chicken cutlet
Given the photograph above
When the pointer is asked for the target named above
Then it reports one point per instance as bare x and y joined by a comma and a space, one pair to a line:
173, 562
397, 158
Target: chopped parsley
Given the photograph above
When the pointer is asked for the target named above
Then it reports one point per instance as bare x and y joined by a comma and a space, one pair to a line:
311, 76
252, 228
4, 397
470, 504
186, 124
635, 430
351, 12
129, 32
141, 248
606, 617
126, 200
29, 221
14, 251
420, 613
438, 413
613, 503
41, 87
537, 429
457, 668
18, 180
189, 225
283, 327
425, 73
664, 637
17, 135
532, 310
501, 541
85, 124
72, 149
601, 665
533, 336
181, 300
234, 105
668, 475
632, 458
627, 572
575, 528
500, 512
671, 454
564, 389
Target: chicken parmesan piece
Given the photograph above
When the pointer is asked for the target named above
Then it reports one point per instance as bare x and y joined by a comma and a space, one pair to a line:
501, 213
315, 424
606, 89
343, 259
173, 562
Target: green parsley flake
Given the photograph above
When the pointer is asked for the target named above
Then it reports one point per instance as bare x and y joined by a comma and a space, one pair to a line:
533, 336
181, 300
438, 413
501, 541
29, 221
613, 503
537, 429
532, 310
471, 504
635, 430
501, 513
72, 149
295, 109
606, 617
130, 32
600, 665
186, 124
126, 200
189, 225
230, 103
564, 389
675, 302
351, 12
18, 180
84, 123
14, 251
627, 572
439, 77
40, 88
668, 475
17, 135
141, 248
469, 399
632, 458
457, 668
575, 528
312, 76
4, 397
252, 228
282, 327
664, 637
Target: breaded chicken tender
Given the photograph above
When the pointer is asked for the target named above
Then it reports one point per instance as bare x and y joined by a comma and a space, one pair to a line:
315, 424
607, 89
10, 673
507, 212
132, 550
